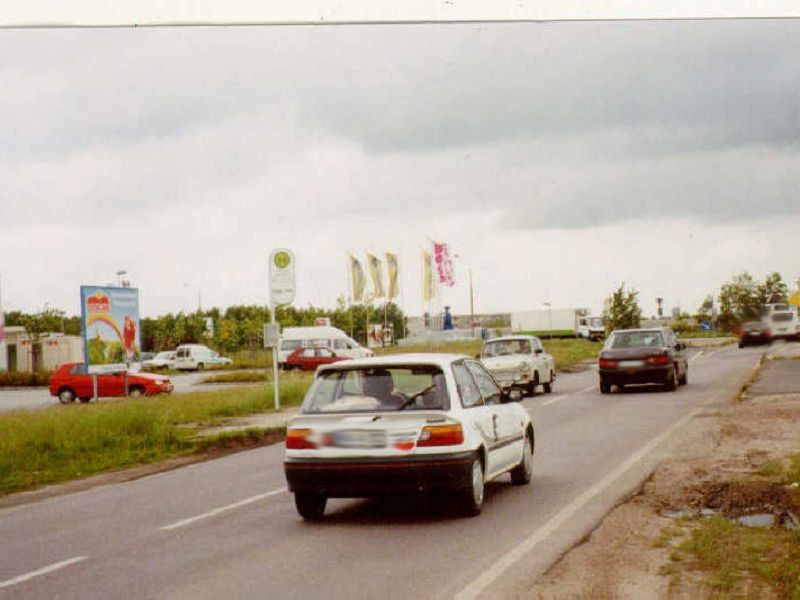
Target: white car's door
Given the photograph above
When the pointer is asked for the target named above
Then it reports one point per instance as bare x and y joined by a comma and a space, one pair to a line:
478, 417
541, 361
509, 431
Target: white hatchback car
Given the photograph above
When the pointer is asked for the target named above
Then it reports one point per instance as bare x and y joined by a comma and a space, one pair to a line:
405, 424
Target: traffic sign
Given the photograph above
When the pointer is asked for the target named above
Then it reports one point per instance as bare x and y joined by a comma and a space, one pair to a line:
282, 282
705, 325
272, 334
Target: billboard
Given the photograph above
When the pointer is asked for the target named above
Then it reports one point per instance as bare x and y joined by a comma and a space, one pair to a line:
110, 323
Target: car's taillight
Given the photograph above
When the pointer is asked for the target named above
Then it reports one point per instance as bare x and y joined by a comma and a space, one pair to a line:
441, 435
297, 439
658, 360
606, 363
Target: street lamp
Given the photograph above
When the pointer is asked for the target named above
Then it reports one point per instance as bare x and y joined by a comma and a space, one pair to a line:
549, 320
120, 274
471, 294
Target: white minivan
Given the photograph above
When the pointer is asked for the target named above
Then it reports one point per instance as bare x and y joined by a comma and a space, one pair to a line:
196, 357
332, 337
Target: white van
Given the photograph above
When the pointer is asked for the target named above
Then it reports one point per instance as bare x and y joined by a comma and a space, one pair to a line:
196, 357
304, 337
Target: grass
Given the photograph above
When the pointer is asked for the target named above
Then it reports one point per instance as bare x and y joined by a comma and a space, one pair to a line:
566, 352
732, 553
261, 376
67, 442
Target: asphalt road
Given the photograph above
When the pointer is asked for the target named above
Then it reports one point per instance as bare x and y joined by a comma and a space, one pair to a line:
39, 397
228, 528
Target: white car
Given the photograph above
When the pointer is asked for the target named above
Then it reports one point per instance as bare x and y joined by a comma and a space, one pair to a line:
196, 357
519, 361
405, 424
162, 360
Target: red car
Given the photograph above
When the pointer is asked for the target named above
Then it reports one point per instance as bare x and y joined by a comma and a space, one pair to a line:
308, 359
71, 381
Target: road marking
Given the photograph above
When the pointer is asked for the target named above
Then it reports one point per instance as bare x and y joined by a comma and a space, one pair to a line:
698, 355
476, 588
562, 397
42, 571
222, 509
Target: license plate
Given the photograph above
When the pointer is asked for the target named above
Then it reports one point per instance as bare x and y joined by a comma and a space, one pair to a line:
357, 438
631, 363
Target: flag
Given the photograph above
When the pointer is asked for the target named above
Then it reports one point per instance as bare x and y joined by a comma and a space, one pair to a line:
393, 271
376, 274
444, 264
428, 277
357, 279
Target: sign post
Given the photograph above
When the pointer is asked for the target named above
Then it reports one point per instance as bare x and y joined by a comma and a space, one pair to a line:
282, 284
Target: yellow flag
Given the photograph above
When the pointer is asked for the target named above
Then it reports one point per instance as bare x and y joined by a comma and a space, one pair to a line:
393, 270
428, 277
357, 279
376, 274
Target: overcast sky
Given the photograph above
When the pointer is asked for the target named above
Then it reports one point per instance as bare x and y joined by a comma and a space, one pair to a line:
558, 159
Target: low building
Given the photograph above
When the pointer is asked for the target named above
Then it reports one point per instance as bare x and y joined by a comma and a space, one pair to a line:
51, 350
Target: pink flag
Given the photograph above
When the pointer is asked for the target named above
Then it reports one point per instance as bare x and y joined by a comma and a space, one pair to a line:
444, 265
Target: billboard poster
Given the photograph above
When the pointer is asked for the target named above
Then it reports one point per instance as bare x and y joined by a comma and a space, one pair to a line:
111, 334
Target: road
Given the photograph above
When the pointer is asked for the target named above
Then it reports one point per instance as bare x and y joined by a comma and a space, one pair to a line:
39, 397
228, 528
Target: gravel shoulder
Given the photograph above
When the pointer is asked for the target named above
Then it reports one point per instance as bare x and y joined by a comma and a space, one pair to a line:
719, 460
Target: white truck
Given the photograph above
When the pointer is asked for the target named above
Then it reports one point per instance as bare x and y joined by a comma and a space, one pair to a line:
559, 322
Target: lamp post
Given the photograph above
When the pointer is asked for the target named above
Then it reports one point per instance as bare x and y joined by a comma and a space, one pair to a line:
549, 320
120, 274
471, 293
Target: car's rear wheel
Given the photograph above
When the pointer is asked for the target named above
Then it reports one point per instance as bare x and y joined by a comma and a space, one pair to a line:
135, 392
672, 381
200, 366
605, 388
66, 395
471, 497
684, 379
521, 474
310, 505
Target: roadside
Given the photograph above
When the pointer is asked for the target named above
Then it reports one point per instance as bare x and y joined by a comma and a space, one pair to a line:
689, 531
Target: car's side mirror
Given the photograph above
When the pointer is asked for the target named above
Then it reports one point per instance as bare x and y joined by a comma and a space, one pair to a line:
538, 351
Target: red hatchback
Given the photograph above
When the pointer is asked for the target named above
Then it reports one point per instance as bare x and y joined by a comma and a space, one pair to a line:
71, 381
308, 359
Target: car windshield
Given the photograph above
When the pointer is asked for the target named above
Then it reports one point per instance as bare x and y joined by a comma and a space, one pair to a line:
782, 317
506, 348
377, 389
754, 325
636, 339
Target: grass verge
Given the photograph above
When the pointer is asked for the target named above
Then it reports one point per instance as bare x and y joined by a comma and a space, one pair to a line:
68, 442
257, 377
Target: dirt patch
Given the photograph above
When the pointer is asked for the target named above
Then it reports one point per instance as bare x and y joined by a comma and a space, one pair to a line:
208, 450
720, 465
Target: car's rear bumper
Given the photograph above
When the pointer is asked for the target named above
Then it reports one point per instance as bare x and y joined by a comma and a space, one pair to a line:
362, 477
636, 375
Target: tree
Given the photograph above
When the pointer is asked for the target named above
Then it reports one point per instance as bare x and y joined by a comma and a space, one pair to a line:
706, 310
739, 299
773, 289
622, 310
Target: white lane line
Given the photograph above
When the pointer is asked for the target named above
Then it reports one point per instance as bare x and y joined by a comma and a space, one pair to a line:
42, 571
505, 562
222, 509
698, 355
564, 396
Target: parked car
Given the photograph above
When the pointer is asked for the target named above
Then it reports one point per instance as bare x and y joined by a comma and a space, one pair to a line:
784, 324
196, 357
308, 359
293, 338
147, 356
754, 332
405, 424
633, 356
162, 360
519, 361
71, 381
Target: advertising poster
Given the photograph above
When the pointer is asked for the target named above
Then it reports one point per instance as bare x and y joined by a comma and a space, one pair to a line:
111, 334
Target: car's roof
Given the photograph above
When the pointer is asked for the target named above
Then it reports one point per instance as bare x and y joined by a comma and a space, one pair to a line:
511, 338
411, 359
643, 330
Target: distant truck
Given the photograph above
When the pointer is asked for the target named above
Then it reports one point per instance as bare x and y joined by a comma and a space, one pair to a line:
559, 322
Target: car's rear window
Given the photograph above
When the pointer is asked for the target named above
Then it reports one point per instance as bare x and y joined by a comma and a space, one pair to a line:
377, 389
636, 339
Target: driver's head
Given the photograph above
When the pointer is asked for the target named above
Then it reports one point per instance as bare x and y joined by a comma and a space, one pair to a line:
378, 384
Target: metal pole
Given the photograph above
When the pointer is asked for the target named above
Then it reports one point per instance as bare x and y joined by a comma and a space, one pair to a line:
275, 386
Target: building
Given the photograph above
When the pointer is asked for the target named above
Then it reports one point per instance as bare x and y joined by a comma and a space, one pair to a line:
52, 350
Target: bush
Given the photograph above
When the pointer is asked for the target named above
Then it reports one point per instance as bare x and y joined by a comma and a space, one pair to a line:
22, 379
